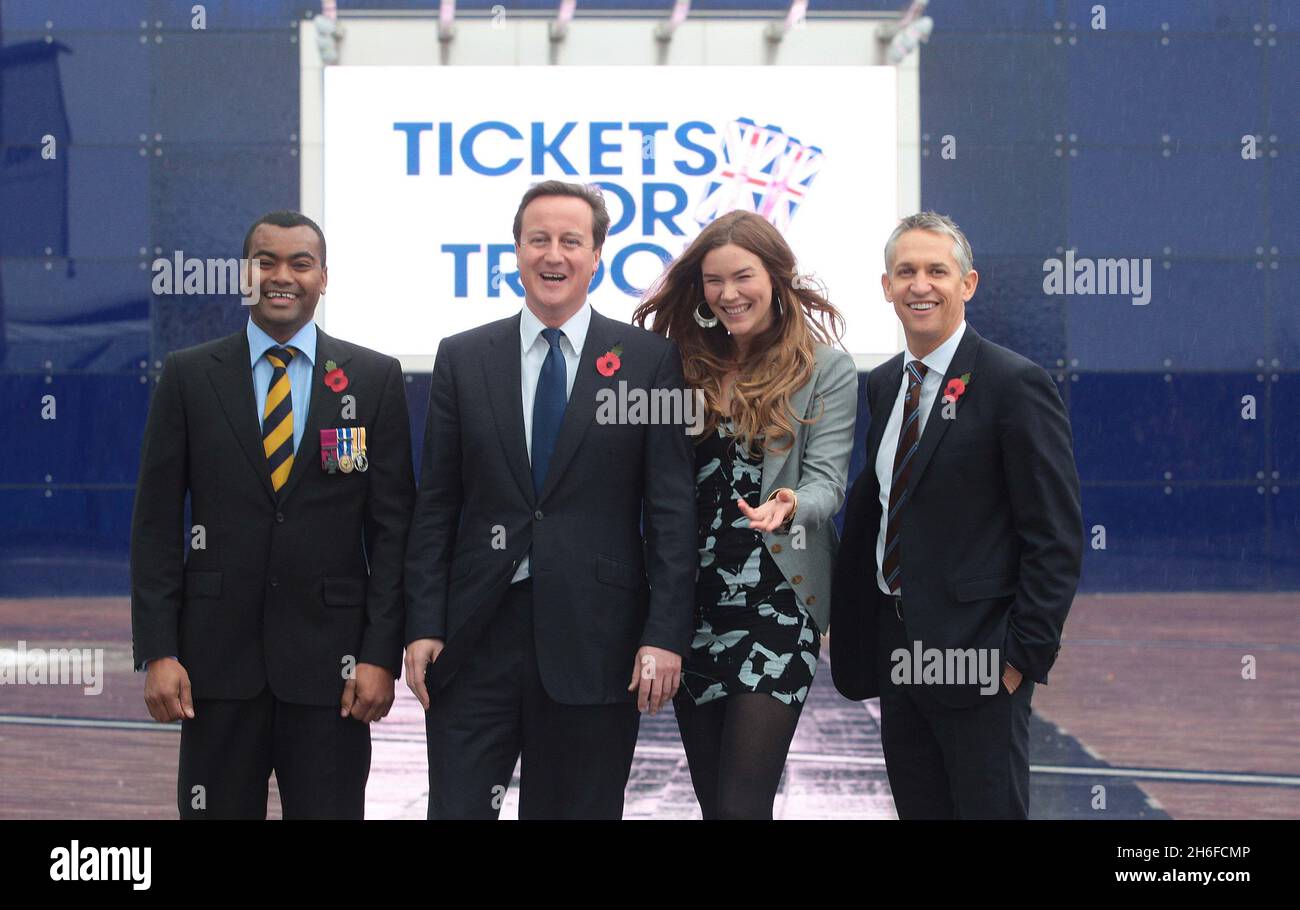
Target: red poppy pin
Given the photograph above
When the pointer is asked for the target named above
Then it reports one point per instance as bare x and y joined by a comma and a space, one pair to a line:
608, 365
335, 378
956, 387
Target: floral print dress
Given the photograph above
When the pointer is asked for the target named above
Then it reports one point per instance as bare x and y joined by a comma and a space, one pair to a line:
751, 632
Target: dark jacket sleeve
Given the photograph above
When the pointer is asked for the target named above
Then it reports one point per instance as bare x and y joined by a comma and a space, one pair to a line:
437, 508
1038, 463
853, 601
672, 557
390, 498
158, 538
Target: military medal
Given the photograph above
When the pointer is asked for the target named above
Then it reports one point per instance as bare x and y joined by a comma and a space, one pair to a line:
346, 464
360, 461
328, 444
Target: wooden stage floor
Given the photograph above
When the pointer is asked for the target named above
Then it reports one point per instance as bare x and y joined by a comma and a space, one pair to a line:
1147, 701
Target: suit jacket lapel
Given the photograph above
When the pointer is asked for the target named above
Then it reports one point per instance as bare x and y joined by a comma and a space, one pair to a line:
581, 409
502, 379
892, 369
322, 410
774, 461
232, 379
963, 360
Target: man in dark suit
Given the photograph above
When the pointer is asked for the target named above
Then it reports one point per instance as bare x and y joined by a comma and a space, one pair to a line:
552, 555
271, 627
962, 543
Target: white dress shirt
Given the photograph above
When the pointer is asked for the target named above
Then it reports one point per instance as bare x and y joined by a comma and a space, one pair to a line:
532, 354
937, 363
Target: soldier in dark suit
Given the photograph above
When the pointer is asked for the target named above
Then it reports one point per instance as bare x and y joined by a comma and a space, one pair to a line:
272, 625
963, 538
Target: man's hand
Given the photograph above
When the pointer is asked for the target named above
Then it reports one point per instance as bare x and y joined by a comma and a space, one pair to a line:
419, 654
368, 695
657, 672
167, 690
1011, 678
771, 514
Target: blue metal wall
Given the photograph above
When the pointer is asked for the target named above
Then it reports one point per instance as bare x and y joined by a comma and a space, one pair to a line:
1124, 142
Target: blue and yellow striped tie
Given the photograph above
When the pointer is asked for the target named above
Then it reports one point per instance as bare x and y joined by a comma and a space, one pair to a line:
277, 420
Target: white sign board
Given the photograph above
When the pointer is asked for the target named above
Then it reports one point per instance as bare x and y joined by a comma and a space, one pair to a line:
425, 166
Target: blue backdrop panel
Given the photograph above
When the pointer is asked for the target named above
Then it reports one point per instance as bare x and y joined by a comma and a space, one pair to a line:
1286, 315
994, 67
1193, 322
96, 59
1181, 16
1177, 89
58, 541
206, 195
218, 111
246, 15
1138, 202
1285, 517
183, 321
1284, 429
1009, 200
1189, 539
75, 15
417, 407
1138, 427
201, 99
1009, 307
87, 440
75, 314
108, 189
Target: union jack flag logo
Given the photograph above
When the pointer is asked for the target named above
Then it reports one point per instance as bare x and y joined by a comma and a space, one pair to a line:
762, 170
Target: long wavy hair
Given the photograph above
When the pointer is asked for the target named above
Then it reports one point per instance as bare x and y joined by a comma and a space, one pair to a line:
779, 360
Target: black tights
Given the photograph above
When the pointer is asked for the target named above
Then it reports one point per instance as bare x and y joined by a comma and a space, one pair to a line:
736, 748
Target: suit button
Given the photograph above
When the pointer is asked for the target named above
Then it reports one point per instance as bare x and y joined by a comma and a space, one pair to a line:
538, 515
796, 579
776, 548
279, 517
275, 582
811, 600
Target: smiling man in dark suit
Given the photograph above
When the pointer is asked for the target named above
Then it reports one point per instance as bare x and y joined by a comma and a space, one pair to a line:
962, 538
551, 562
272, 626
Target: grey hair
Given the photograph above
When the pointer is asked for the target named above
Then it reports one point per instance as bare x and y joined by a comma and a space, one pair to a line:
938, 224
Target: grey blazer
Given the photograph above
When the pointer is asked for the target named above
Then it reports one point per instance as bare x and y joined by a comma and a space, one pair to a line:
816, 467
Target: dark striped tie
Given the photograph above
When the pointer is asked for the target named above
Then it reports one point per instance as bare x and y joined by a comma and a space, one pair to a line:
277, 420
909, 438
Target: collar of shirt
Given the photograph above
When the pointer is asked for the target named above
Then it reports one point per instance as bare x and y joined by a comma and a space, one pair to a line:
259, 342
575, 330
938, 360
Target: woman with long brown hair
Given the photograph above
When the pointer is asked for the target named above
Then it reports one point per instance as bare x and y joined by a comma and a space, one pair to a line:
772, 462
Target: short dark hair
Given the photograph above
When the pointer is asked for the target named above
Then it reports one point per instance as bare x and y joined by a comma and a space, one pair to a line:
286, 219
589, 193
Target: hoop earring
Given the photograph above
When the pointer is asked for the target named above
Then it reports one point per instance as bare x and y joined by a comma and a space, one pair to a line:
776, 298
702, 321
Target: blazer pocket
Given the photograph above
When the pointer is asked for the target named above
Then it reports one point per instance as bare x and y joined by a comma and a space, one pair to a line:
613, 572
989, 588
344, 592
974, 450
202, 584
